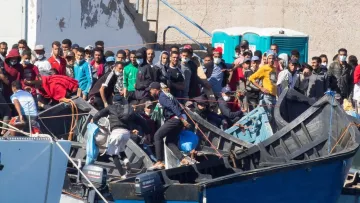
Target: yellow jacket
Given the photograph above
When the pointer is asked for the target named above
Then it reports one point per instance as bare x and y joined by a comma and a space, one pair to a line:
267, 75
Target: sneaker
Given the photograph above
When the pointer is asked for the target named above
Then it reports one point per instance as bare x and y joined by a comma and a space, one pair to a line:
123, 177
127, 164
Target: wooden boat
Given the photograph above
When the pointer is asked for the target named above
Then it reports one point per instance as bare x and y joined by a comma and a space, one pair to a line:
290, 105
297, 160
253, 127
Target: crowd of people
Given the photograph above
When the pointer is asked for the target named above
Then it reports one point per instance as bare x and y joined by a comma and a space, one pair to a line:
127, 85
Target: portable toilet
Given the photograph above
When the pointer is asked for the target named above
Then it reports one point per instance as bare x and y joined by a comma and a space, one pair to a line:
228, 39
286, 39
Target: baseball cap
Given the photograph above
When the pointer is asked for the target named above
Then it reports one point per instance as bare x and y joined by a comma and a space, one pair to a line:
188, 47
110, 59
155, 85
255, 58
75, 46
148, 103
246, 60
226, 90
39, 47
89, 47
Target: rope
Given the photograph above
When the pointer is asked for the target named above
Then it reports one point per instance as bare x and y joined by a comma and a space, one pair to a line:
74, 117
332, 95
342, 135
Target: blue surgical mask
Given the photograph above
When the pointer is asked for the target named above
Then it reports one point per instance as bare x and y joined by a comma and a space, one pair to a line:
342, 58
26, 62
13, 62
127, 60
139, 61
185, 60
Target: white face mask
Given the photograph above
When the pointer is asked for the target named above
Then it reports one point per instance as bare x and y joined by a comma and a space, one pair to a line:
324, 64
139, 61
39, 56
117, 73
185, 60
127, 60
226, 98
217, 60
21, 51
342, 58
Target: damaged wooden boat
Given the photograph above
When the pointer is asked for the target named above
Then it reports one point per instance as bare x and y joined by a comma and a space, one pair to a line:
297, 160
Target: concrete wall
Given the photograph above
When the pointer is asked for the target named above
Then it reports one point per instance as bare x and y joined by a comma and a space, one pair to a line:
331, 24
82, 21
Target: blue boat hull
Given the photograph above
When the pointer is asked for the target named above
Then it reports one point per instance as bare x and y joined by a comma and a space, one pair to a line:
319, 182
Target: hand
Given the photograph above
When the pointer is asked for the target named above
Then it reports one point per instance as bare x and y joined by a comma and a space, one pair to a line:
3, 132
21, 119
26, 82
238, 94
84, 97
135, 132
186, 124
106, 104
265, 91
122, 92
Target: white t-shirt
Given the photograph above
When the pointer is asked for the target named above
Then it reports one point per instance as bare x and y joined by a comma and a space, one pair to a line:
44, 66
27, 103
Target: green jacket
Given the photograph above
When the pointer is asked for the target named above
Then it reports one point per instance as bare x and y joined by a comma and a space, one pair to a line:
130, 73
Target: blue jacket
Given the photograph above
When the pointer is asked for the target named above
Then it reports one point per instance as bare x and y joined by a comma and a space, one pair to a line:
171, 107
82, 73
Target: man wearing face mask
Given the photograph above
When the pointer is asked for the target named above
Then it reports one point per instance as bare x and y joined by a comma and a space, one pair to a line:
216, 78
130, 73
41, 61
22, 46
13, 70
339, 74
186, 69
144, 76
82, 73
226, 102
30, 76
108, 85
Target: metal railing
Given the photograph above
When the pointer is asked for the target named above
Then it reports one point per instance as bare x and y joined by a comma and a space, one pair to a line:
183, 33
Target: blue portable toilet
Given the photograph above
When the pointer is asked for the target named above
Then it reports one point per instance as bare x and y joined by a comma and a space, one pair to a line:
260, 39
228, 39
286, 39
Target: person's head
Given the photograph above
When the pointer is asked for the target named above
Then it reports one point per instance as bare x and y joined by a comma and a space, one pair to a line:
25, 58
3, 48
80, 54
98, 53
119, 67
237, 51
66, 45
324, 59
110, 61
258, 53
247, 54
15, 86
264, 58
150, 54
306, 70
127, 51
75, 48
270, 58
207, 59
55, 48
164, 58
89, 52
185, 55
246, 64
40, 51
255, 62
217, 55
100, 44
226, 93
120, 55
148, 108
295, 54
174, 58
244, 45
353, 61
154, 89
174, 48
70, 58
133, 57
293, 65
342, 54
109, 53
53, 71
274, 48
22, 46
315, 62
140, 57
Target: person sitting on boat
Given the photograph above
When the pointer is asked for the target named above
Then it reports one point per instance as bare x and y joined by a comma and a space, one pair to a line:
226, 105
108, 85
175, 121
121, 117
287, 77
25, 107
252, 92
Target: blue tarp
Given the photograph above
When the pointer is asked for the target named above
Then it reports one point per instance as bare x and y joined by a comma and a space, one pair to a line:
188, 141
92, 151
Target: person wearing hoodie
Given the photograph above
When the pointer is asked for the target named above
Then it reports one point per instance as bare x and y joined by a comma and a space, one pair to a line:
82, 73
130, 73
318, 80
31, 75
287, 77
162, 65
13, 70
144, 76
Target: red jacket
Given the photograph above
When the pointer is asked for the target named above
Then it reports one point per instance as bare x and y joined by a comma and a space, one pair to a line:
12, 72
100, 68
237, 75
57, 86
61, 68
357, 74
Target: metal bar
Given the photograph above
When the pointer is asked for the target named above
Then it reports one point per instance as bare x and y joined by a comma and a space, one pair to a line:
157, 20
182, 32
137, 5
186, 18
142, 6
145, 14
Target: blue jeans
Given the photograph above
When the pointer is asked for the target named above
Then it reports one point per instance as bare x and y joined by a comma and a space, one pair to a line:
268, 102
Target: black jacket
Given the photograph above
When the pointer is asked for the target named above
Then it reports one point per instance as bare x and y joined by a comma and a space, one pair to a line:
226, 111
121, 116
340, 78
170, 106
144, 77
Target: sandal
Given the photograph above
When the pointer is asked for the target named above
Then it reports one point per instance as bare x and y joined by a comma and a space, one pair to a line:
157, 166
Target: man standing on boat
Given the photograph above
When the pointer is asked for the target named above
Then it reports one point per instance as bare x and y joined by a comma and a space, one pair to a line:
267, 75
